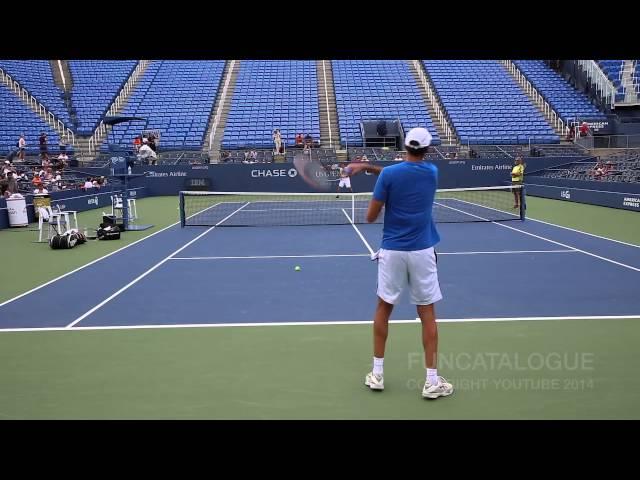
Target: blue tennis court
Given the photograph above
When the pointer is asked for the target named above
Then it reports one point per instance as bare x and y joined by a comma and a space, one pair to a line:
219, 276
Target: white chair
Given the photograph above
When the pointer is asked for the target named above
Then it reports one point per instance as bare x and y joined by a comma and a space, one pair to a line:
53, 219
116, 204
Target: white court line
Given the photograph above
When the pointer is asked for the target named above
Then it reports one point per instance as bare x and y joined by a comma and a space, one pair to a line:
366, 244
555, 225
547, 239
93, 261
312, 324
140, 277
330, 255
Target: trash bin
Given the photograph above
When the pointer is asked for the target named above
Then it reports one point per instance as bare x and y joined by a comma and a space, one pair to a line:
17, 208
40, 201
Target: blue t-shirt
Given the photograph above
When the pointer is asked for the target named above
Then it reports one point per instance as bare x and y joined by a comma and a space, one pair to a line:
408, 190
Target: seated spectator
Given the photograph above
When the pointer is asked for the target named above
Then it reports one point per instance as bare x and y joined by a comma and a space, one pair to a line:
7, 167
137, 143
146, 153
364, 158
36, 180
12, 183
88, 183
247, 156
40, 190
3, 185
103, 180
299, 140
308, 140
253, 156
584, 129
62, 159
398, 157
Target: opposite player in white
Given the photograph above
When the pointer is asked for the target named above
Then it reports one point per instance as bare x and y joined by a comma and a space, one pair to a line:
407, 256
345, 180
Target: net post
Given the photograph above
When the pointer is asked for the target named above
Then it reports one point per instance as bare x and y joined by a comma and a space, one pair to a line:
523, 206
182, 214
353, 207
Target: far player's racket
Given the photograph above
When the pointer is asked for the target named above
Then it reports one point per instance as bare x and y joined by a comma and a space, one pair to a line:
314, 173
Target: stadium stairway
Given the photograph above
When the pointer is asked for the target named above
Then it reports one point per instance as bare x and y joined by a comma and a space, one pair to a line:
445, 131
329, 129
628, 69
536, 98
225, 94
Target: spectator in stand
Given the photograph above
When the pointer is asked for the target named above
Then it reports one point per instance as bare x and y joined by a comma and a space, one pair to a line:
364, 158
88, 183
146, 153
398, 157
40, 190
3, 185
22, 145
308, 140
44, 151
152, 144
103, 180
7, 167
62, 160
63, 144
299, 140
137, 143
277, 140
253, 156
571, 136
37, 180
585, 131
12, 183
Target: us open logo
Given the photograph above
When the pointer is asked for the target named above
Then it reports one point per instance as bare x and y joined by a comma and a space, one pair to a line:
292, 172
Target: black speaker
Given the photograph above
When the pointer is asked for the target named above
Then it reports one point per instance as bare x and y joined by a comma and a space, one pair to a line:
381, 128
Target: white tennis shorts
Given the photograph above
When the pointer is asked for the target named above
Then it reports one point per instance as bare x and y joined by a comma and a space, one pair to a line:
417, 269
344, 182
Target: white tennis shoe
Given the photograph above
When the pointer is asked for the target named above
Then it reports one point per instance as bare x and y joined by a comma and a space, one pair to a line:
442, 389
374, 382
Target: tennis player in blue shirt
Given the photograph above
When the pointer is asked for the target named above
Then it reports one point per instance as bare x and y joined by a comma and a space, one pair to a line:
407, 257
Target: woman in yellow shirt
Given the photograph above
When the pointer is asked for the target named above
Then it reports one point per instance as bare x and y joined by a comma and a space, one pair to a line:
517, 178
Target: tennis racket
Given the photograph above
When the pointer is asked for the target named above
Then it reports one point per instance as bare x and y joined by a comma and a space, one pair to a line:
314, 173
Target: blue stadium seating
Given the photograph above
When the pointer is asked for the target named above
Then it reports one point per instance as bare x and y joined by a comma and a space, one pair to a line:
485, 105
176, 98
568, 102
272, 95
36, 77
17, 118
96, 84
377, 89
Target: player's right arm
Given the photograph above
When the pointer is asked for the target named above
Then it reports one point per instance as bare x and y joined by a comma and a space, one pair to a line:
364, 167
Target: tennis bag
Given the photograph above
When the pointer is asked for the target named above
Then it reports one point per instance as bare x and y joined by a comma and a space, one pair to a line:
108, 232
59, 242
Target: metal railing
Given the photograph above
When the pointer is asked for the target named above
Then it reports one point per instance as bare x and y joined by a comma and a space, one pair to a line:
528, 87
437, 108
38, 107
223, 98
599, 79
326, 96
101, 129
610, 141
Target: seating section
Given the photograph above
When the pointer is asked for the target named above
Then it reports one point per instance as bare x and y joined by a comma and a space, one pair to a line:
485, 105
174, 97
377, 90
272, 95
568, 102
620, 168
17, 118
96, 84
36, 77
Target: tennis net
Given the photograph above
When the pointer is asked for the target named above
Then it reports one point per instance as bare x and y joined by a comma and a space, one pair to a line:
242, 209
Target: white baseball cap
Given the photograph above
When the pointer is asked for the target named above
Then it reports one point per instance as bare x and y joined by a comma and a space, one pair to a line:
418, 138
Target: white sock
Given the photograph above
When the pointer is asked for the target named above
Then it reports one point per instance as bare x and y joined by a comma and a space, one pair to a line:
377, 365
432, 376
